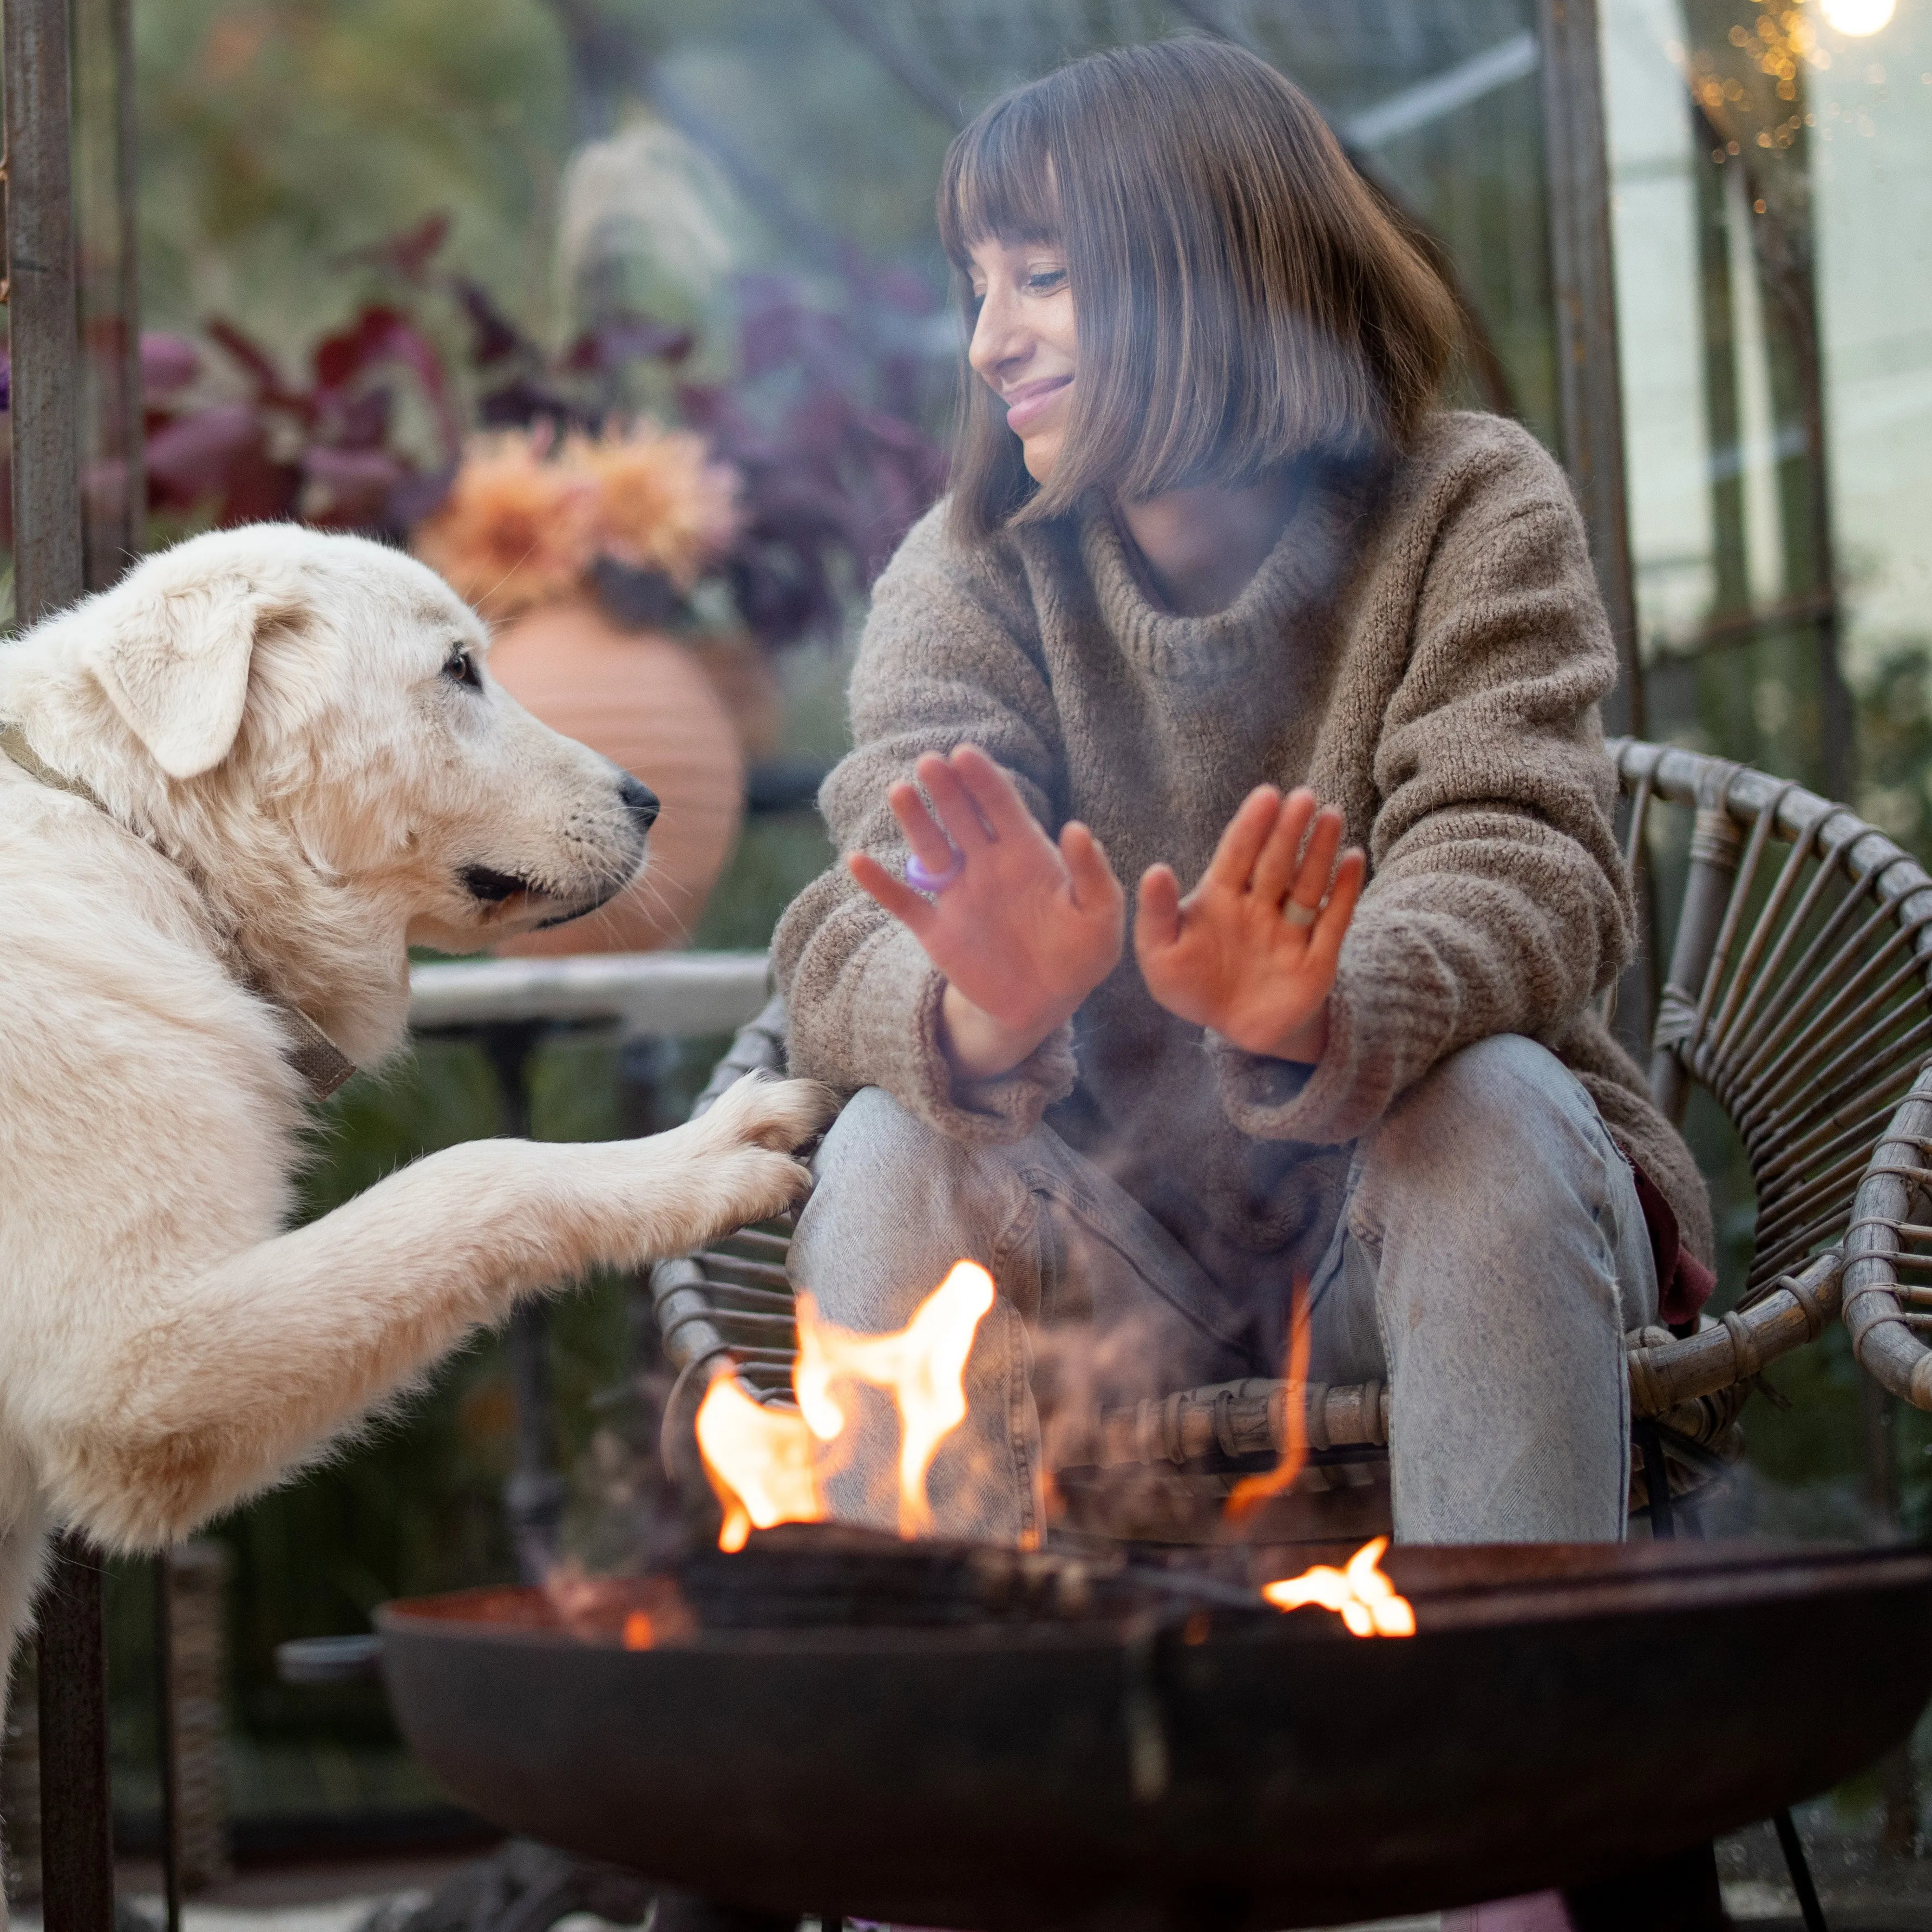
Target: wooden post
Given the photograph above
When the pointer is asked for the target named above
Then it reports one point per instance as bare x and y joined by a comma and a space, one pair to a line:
43, 326
107, 274
76, 1845
1590, 397
1583, 272
127, 265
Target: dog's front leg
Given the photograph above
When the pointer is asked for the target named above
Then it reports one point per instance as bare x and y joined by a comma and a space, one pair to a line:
253, 1365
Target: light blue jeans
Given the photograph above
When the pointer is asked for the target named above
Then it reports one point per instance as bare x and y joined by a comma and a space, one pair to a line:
1490, 1255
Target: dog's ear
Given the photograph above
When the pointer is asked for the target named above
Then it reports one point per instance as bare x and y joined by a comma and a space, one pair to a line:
174, 661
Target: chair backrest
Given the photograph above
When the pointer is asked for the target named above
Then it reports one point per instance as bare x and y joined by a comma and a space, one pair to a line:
1887, 1286
1799, 988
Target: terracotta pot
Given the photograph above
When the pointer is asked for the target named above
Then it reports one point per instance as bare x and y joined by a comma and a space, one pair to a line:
642, 699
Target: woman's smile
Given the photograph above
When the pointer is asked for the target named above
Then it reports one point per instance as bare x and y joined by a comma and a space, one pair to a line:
1025, 345
1028, 402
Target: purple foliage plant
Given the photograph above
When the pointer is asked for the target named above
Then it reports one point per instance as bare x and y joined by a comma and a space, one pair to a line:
824, 420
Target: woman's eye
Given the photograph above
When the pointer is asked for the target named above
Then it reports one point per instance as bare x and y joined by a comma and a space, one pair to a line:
462, 669
1046, 281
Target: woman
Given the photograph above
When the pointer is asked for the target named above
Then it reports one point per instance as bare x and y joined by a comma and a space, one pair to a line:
1212, 556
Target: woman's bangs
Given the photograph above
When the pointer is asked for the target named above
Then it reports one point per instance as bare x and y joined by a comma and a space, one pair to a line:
999, 181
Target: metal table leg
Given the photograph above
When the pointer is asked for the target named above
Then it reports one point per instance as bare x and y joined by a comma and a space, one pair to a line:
534, 1496
76, 1828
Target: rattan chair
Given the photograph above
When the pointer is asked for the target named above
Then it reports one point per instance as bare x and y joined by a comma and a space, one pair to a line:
1797, 996
1888, 1253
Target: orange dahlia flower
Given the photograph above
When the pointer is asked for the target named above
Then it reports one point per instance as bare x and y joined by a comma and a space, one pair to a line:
516, 528
662, 503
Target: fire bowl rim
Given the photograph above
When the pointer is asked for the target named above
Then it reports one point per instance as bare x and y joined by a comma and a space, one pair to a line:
1588, 1581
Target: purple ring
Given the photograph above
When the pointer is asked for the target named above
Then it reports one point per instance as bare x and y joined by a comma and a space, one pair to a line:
921, 880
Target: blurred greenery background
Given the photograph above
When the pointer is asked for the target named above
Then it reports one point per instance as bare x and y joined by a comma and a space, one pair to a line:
281, 138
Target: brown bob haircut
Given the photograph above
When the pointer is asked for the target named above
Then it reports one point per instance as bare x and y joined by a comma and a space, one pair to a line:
1244, 302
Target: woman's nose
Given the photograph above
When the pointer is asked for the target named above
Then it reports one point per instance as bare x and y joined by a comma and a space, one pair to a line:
999, 339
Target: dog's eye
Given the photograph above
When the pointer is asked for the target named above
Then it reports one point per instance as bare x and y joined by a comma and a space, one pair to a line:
462, 669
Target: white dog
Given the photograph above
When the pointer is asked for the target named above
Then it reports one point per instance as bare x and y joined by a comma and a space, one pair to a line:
233, 790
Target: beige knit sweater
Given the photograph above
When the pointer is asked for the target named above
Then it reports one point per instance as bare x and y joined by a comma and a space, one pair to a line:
1429, 656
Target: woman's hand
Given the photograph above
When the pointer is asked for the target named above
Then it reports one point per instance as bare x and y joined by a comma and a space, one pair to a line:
1028, 929
1228, 955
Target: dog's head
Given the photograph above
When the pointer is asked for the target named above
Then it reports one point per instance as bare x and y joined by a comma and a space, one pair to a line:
308, 721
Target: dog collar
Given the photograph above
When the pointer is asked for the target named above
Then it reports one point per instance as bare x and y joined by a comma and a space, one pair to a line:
312, 1055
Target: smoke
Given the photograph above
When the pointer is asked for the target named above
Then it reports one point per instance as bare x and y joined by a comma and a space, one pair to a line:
634, 1510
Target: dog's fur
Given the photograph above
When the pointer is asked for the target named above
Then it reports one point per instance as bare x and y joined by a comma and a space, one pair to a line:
298, 776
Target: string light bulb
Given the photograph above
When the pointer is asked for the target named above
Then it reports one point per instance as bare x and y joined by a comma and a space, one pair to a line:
1857, 18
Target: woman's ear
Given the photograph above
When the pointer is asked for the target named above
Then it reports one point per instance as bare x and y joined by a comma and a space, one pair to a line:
174, 663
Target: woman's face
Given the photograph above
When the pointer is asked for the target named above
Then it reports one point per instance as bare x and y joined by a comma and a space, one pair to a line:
1023, 347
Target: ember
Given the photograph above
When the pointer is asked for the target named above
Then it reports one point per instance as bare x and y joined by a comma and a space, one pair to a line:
1362, 1595
647, 1610
828, 1575
760, 1460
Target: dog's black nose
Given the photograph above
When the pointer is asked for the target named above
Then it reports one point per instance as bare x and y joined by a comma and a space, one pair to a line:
640, 801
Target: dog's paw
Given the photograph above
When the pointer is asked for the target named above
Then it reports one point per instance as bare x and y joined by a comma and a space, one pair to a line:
734, 1164
750, 1183
760, 1111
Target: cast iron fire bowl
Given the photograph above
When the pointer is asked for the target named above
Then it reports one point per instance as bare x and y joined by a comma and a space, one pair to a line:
1562, 1714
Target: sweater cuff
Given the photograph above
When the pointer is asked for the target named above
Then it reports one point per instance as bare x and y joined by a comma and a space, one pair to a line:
993, 1112
1271, 1099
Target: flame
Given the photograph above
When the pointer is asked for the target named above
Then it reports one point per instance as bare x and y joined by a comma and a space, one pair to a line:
923, 1364
760, 1460
639, 1632
1251, 1492
1362, 1594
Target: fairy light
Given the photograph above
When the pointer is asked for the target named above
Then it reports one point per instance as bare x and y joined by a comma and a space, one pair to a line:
1855, 19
